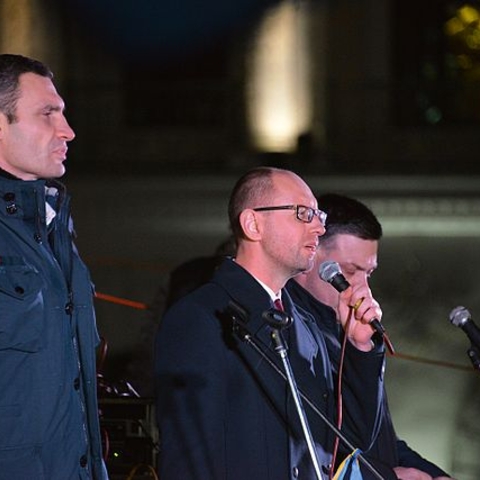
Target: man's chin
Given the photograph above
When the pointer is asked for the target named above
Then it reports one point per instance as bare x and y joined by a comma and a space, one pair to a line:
57, 172
308, 268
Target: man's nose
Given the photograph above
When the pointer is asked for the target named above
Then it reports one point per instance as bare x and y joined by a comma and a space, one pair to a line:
318, 226
65, 131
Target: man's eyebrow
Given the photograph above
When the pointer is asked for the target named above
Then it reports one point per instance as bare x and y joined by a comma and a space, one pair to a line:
53, 108
360, 267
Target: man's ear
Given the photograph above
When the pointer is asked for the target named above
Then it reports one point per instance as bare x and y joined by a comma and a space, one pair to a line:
248, 221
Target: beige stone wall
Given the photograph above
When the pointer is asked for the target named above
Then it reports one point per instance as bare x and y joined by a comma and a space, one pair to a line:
31, 28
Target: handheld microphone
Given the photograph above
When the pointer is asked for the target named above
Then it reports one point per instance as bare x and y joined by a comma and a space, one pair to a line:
461, 317
331, 273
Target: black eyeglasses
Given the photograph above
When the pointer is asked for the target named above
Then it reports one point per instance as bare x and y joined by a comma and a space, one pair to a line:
304, 214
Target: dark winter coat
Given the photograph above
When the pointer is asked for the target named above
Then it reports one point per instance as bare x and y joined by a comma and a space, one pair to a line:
387, 451
49, 428
223, 412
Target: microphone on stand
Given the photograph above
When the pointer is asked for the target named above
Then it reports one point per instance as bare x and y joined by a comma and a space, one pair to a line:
461, 317
331, 273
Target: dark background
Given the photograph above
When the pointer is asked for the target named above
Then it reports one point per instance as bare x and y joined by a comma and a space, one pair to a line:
156, 92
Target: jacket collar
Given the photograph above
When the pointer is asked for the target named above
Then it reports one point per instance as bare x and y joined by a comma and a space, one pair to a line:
254, 300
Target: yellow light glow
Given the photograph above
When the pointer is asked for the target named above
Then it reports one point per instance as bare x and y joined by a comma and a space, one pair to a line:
454, 26
279, 98
473, 39
17, 31
468, 14
28, 27
464, 62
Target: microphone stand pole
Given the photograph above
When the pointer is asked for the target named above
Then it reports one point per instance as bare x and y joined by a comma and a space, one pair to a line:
473, 355
281, 350
239, 320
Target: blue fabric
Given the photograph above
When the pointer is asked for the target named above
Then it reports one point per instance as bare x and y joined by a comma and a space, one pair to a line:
350, 468
49, 426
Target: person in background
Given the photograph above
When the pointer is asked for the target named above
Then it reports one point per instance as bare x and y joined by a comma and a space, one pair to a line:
195, 272
49, 426
224, 413
352, 236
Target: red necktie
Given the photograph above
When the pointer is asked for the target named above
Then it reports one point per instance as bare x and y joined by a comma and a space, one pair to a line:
277, 303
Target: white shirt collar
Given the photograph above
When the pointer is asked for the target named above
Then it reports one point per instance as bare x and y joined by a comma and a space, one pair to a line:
50, 212
274, 296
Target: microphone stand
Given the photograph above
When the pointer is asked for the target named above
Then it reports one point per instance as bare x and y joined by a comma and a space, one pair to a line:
277, 320
281, 350
474, 355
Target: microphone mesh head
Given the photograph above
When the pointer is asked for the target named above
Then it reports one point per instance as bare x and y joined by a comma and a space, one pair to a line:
328, 270
459, 316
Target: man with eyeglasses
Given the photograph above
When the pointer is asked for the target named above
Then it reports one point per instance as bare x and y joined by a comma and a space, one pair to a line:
304, 214
223, 413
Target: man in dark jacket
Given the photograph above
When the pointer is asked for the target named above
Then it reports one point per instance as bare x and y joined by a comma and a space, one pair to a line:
49, 426
223, 412
351, 239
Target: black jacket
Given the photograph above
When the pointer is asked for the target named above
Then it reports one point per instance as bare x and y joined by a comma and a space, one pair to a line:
223, 412
387, 451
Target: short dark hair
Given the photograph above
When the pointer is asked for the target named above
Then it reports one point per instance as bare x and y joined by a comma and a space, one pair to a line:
11, 67
346, 215
251, 189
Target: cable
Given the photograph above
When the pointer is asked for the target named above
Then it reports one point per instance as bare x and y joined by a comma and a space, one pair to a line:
339, 396
398, 355
121, 301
